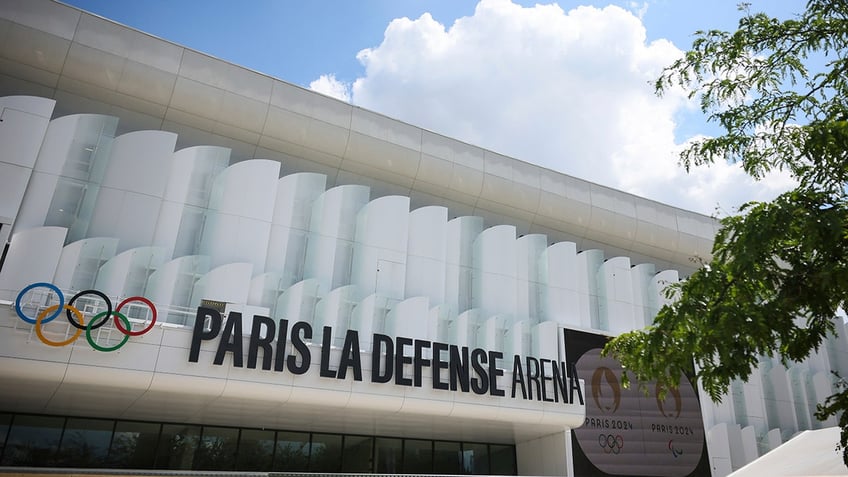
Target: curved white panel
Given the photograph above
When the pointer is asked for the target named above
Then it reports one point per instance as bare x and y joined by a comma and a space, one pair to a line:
298, 302
81, 261
463, 330
529, 284
644, 297
131, 192
545, 339
491, 331
517, 340
229, 283
186, 197
438, 323
238, 224
494, 281
331, 233
461, 233
615, 289
68, 172
558, 271
336, 311
172, 285
33, 256
588, 263
409, 318
296, 194
265, 288
379, 252
24, 123
369, 317
426, 259
126, 274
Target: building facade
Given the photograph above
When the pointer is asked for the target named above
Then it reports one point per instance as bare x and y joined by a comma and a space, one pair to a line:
207, 268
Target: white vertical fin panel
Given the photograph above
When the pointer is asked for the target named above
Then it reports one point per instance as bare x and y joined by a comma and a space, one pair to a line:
33, 256
645, 300
229, 283
186, 198
529, 249
493, 280
126, 274
332, 228
461, 233
427, 253
615, 290
130, 196
588, 263
81, 261
298, 302
173, 284
336, 311
238, 223
24, 123
380, 247
296, 194
409, 318
558, 271
68, 172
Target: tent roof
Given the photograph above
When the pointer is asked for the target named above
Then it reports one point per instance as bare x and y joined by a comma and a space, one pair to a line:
808, 454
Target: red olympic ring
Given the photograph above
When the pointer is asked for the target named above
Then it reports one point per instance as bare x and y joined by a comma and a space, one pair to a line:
121, 322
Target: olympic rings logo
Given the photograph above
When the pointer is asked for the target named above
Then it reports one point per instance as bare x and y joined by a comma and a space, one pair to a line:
611, 444
77, 320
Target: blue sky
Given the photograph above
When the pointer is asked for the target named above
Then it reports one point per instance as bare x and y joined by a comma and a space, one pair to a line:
497, 74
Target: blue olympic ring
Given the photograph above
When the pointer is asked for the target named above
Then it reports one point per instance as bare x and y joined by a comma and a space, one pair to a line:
53, 315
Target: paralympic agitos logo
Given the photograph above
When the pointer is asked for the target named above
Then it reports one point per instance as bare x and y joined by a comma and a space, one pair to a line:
77, 317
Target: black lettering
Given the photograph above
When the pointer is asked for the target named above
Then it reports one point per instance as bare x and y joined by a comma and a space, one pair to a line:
459, 368
494, 372
439, 365
382, 342
350, 356
326, 345
400, 360
231, 341
198, 335
480, 384
282, 337
300, 331
419, 361
560, 383
574, 384
518, 377
544, 378
533, 379
257, 341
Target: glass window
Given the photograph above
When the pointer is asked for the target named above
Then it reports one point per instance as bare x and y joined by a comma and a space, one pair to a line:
85, 442
417, 456
447, 457
255, 450
292, 452
33, 440
475, 458
177, 446
217, 449
326, 453
388, 455
5, 421
357, 454
502, 459
134, 445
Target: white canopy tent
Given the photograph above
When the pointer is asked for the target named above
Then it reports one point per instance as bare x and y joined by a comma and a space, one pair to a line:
808, 454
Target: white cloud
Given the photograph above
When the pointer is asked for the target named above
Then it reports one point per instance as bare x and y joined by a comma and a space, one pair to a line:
571, 91
329, 85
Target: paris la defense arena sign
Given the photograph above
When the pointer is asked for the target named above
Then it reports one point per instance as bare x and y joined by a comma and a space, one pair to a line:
452, 367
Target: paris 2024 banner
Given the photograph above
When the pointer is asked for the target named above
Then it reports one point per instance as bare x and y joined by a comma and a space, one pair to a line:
628, 432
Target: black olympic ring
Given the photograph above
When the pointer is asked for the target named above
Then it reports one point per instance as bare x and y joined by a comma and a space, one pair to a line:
101, 322
611, 443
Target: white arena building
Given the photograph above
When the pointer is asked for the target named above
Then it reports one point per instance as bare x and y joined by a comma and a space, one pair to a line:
208, 269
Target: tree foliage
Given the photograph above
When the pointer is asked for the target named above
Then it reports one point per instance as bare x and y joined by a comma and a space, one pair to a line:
778, 274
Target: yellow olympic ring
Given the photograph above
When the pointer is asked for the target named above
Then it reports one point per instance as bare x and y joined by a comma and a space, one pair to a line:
49, 310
